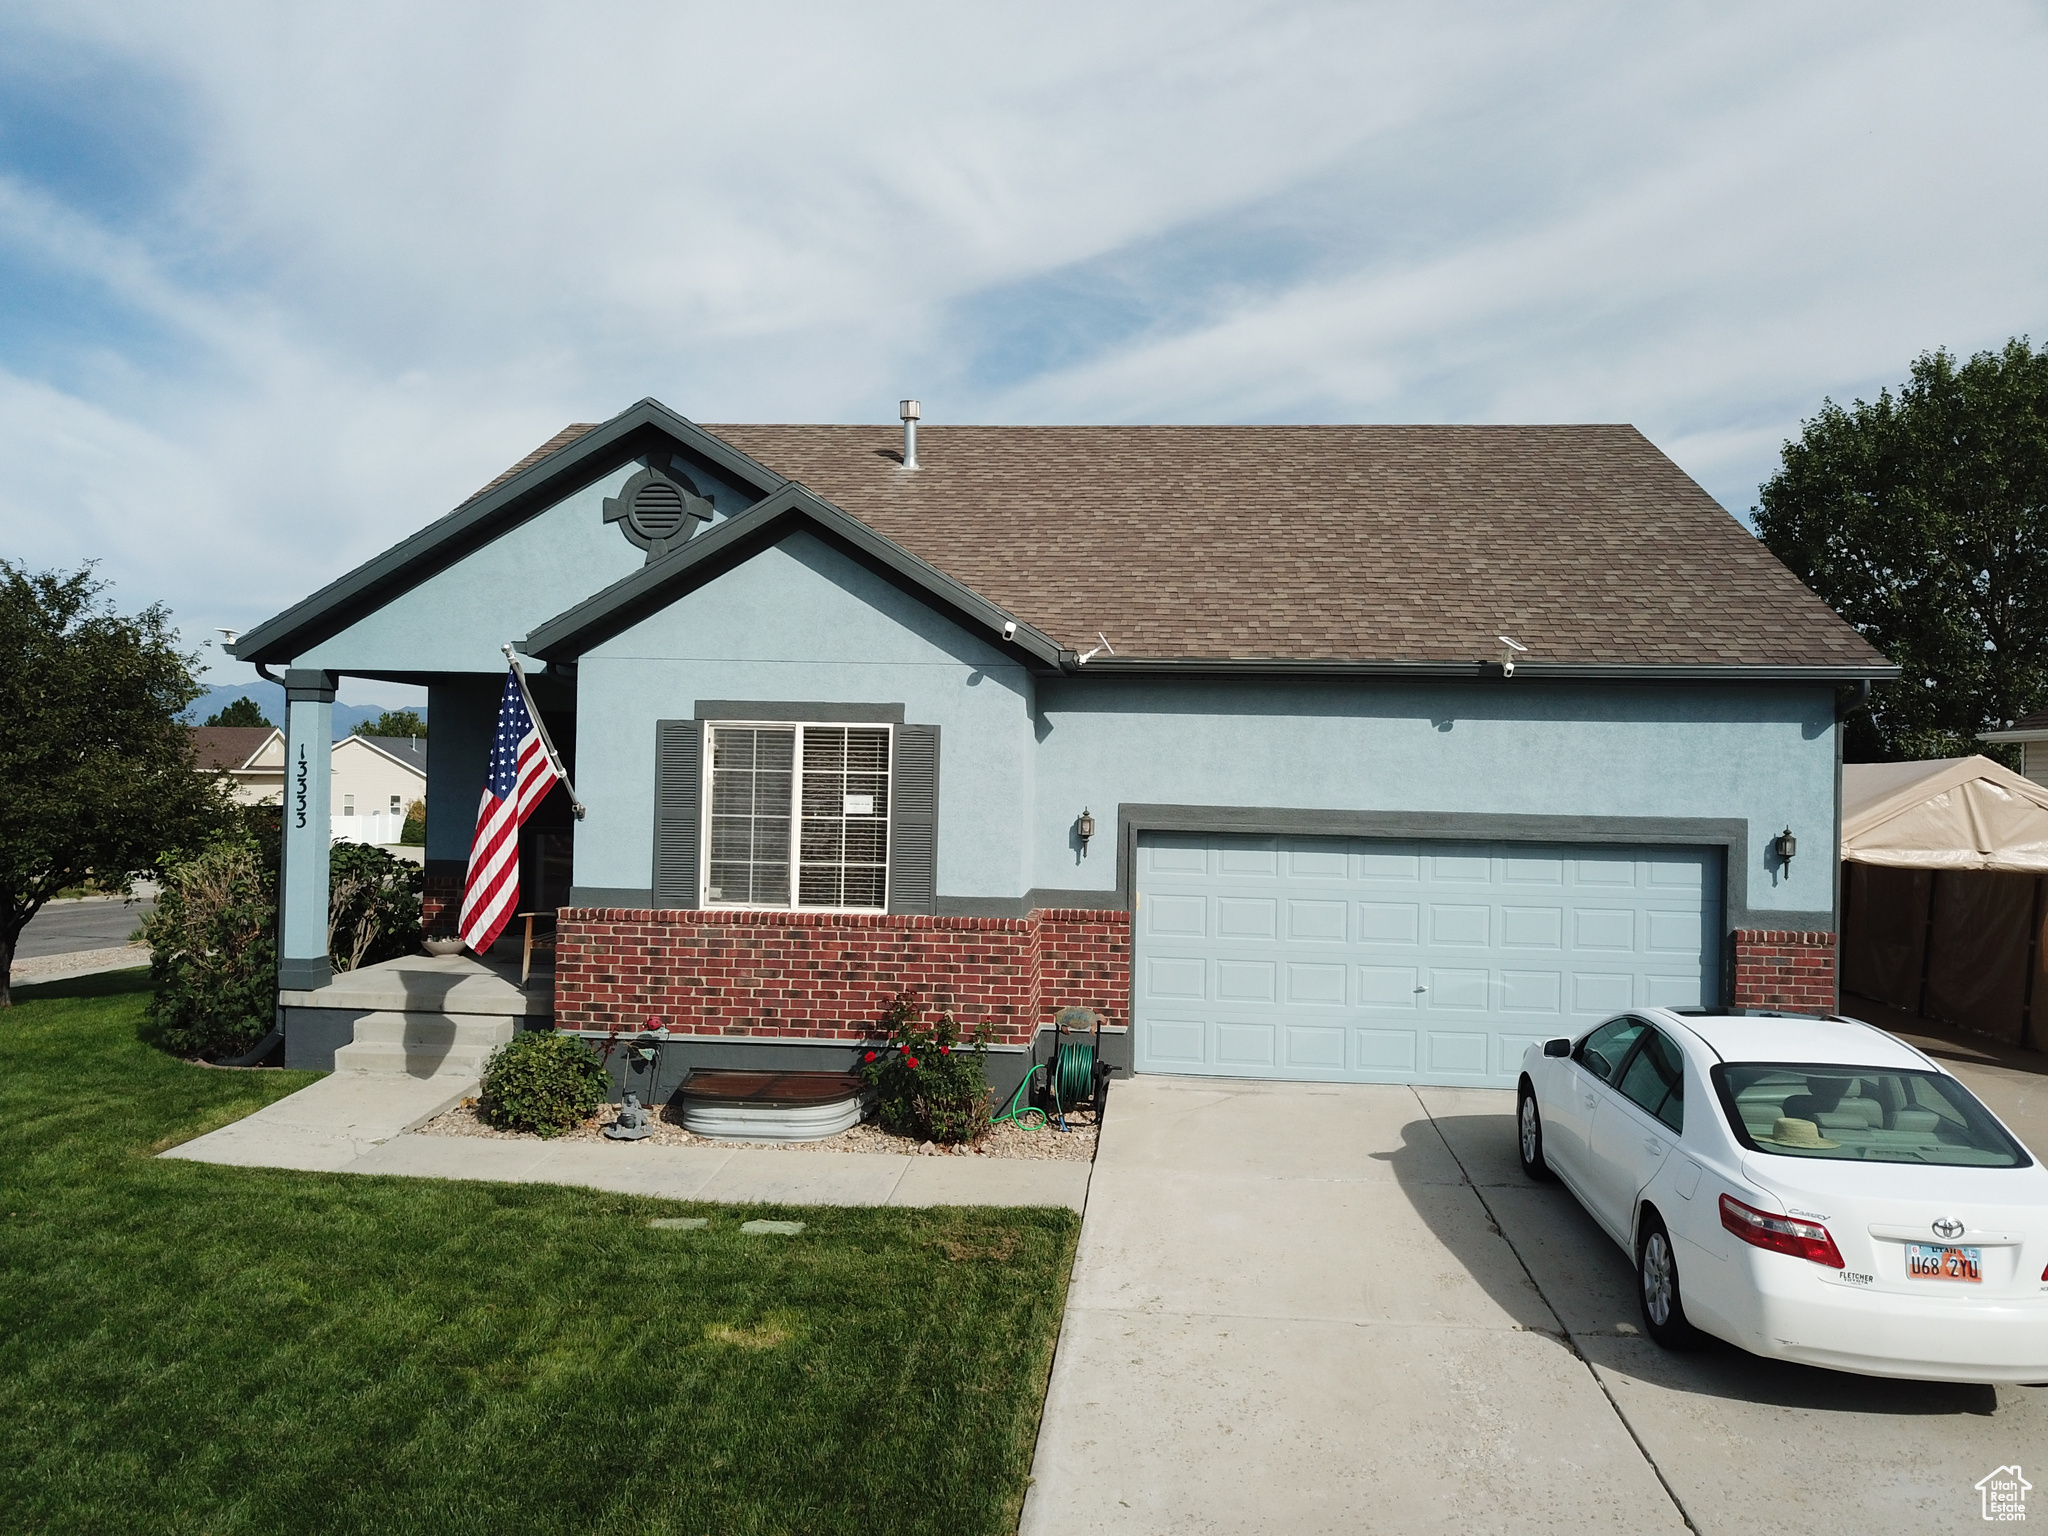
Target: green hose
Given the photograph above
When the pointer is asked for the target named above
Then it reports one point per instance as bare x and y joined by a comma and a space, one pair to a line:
1073, 1073
1072, 1077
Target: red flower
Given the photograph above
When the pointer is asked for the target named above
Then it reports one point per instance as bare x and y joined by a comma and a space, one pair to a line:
945, 1050
912, 1060
869, 1057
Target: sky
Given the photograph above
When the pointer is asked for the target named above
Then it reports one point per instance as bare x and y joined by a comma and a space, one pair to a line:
281, 284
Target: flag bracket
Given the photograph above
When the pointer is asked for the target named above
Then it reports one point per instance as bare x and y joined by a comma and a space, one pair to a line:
540, 725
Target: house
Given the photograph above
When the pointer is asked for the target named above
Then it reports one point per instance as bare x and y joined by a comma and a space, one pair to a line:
251, 755
374, 779
1363, 753
2030, 734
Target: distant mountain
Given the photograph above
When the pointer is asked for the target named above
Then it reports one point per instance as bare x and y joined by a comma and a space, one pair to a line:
270, 698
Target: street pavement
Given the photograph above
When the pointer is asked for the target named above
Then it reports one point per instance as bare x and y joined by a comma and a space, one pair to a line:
1318, 1307
87, 922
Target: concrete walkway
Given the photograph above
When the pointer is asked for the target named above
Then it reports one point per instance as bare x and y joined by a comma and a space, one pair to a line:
361, 1122
1308, 1307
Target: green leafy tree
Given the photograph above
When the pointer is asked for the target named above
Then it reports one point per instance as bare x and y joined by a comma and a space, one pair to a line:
1922, 518
244, 711
393, 722
98, 774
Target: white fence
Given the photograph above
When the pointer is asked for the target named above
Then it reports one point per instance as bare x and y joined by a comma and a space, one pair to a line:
368, 827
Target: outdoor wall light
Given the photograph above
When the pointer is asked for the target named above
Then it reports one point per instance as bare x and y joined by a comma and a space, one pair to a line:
1784, 845
1085, 827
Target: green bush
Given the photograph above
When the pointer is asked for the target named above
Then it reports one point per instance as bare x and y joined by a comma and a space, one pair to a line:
925, 1085
543, 1082
213, 952
373, 906
414, 833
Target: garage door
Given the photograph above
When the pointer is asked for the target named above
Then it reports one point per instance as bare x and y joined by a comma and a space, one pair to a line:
1361, 960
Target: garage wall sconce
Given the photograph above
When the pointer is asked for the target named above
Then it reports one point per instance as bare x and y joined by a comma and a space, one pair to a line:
1783, 846
1084, 828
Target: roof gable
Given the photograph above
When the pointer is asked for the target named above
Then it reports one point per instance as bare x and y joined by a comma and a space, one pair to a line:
408, 752
569, 461
709, 555
231, 747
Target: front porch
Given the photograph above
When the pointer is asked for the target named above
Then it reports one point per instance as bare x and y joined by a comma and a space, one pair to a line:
420, 1015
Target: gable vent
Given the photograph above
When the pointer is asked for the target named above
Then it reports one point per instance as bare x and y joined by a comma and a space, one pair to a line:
657, 509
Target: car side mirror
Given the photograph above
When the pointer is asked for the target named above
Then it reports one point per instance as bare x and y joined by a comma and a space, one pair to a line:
1557, 1047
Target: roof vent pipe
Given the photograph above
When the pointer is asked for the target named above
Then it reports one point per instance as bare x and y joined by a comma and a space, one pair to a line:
910, 410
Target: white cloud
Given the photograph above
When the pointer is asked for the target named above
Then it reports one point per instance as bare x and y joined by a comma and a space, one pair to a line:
409, 243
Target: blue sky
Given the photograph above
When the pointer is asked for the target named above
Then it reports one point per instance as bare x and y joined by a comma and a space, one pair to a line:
281, 284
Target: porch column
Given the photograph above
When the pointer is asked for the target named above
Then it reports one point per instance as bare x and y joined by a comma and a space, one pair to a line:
302, 894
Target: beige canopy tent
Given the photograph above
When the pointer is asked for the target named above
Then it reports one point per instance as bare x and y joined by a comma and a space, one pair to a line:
1942, 884
1950, 813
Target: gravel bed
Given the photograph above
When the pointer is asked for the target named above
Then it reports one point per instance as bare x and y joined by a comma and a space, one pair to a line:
1005, 1140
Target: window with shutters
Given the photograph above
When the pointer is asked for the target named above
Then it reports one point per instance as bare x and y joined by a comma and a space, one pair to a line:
798, 816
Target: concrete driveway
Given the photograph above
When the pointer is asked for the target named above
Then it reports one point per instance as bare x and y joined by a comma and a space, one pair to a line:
1312, 1307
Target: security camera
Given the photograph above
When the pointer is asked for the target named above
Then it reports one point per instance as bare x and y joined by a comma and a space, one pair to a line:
1507, 657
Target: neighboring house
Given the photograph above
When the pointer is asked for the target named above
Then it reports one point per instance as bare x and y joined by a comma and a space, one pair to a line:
1212, 729
251, 755
374, 779
2031, 734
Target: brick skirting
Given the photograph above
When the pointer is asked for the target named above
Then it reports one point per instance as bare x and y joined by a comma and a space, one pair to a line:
830, 976
1777, 968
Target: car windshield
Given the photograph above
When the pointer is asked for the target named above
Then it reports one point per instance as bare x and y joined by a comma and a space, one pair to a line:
1862, 1114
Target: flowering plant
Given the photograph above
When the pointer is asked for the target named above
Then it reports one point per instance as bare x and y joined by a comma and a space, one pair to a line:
924, 1085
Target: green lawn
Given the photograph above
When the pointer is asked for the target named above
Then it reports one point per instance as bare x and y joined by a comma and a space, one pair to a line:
191, 1348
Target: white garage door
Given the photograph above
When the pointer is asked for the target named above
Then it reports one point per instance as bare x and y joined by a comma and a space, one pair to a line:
1361, 960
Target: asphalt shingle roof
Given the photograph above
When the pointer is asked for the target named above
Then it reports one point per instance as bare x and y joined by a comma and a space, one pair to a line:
228, 746
1337, 543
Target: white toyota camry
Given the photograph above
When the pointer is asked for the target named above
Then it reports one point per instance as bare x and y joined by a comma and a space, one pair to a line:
1811, 1189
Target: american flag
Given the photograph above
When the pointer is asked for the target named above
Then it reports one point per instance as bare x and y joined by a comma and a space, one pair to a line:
520, 776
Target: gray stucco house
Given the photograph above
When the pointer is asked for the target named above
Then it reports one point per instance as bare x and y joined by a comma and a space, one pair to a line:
1399, 746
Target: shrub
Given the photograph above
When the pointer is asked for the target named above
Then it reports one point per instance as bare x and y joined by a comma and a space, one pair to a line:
213, 952
925, 1085
414, 833
543, 1082
373, 906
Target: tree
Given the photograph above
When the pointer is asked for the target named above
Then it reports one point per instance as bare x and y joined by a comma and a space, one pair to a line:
1922, 518
244, 711
393, 722
99, 775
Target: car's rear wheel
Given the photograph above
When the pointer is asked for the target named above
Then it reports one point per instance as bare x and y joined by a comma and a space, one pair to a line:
1657, 1287
1529, 1128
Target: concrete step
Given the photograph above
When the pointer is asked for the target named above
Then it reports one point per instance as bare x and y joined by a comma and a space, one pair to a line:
434, 1030
423, 1044
408, 1061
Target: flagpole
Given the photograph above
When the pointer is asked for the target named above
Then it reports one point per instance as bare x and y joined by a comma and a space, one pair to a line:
540, 725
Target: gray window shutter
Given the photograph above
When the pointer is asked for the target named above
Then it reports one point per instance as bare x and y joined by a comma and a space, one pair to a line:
678, 810
914, 820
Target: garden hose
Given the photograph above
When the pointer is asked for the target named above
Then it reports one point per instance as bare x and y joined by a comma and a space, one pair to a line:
1072, 1078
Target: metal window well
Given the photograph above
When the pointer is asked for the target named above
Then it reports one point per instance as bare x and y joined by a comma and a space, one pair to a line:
769, 1106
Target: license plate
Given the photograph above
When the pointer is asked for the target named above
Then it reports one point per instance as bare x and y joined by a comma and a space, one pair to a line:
1925, 1261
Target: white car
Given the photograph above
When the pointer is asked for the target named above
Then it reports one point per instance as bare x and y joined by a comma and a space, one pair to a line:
1809, 1189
